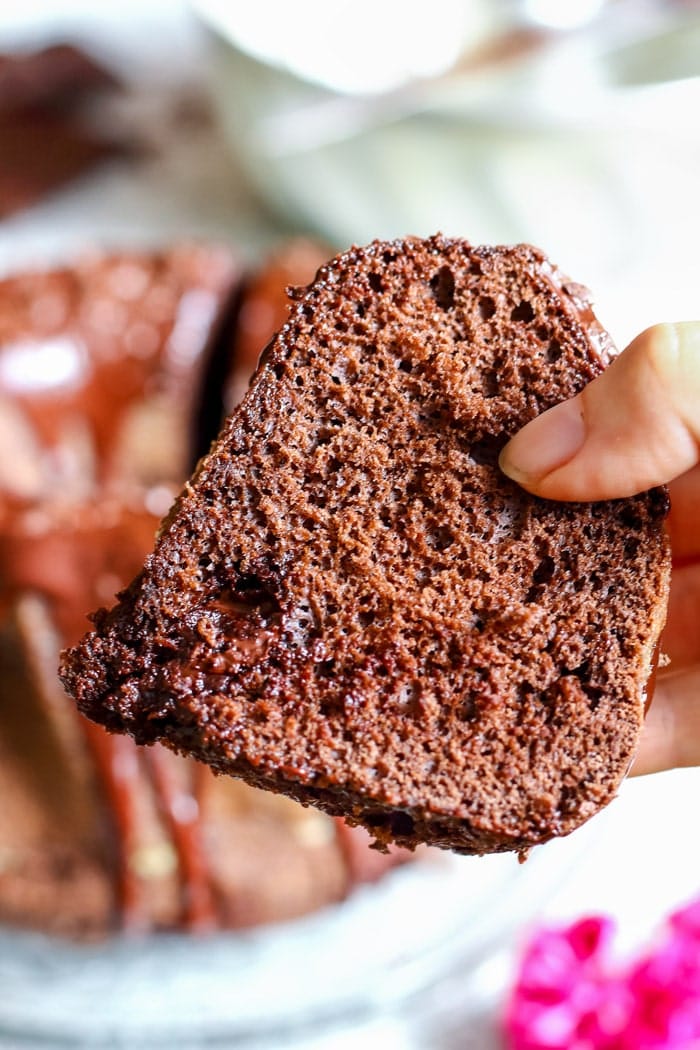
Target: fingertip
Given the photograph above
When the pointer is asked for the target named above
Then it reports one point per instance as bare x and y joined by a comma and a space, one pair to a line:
544, 446
510, 468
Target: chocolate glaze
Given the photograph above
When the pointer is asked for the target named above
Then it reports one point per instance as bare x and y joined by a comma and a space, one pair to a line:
74, 556
181, 809
118, 771
80, 348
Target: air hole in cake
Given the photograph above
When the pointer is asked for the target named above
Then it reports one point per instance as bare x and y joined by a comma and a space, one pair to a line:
534, 594
399, 823
455, 655
440, 538
443, 288
324, 437
325, 669
544, 571
554, 351
475, 267
468, 710
279, 370
487, 307
252, 584
522, 312
360, 309
375, 282
630, 518
405, 366
491, 384
567, 798
594, 694
409, 694
365, 619
235, 605
486, 451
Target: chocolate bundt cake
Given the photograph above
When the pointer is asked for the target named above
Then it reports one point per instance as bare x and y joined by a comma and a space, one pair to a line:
100, 371
351, 605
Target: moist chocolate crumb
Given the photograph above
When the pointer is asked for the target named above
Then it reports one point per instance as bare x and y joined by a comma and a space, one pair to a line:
349, 602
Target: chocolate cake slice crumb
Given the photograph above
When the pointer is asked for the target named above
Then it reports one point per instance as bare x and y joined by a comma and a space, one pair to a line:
350, 604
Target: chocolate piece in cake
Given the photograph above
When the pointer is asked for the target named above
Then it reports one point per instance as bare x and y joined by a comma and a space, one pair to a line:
350, 604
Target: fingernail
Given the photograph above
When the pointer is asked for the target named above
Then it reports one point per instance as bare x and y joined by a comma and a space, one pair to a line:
545, 444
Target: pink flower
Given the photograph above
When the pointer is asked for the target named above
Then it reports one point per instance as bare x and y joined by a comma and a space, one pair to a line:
686, 921
568, 996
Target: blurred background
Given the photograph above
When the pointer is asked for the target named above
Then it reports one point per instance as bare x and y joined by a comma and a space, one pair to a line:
572, 124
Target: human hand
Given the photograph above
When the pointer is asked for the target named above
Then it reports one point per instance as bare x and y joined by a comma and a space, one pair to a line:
636, 426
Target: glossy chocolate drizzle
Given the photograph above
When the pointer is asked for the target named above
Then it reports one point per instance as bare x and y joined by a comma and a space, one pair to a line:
65, 563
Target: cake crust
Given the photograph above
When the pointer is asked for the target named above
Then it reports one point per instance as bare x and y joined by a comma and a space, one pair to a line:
351, 605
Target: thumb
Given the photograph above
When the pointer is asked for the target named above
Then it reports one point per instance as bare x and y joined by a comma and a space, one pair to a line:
635, 426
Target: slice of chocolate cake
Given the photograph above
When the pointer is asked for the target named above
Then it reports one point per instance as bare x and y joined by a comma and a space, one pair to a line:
350, 604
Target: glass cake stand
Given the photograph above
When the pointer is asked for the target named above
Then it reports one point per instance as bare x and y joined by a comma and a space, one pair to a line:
376, 954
